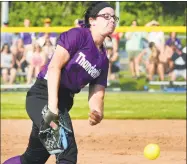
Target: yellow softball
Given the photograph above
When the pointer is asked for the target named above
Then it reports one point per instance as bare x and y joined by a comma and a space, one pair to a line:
152, 151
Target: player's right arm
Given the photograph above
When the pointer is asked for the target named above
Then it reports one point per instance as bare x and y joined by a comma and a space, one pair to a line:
58, 61
68, 43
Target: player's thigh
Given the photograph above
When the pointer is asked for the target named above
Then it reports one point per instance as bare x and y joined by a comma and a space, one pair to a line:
34, 106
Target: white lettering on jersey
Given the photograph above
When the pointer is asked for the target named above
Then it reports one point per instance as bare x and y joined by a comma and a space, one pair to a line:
91, 70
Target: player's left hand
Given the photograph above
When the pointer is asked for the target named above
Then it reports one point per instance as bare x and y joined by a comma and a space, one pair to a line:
95, 117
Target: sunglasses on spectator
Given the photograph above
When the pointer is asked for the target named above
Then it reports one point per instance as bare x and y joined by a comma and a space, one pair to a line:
108, 17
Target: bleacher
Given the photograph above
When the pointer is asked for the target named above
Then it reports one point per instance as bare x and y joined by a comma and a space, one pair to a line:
175, 83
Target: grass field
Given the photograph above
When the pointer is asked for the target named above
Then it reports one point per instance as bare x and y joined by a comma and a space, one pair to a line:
122, 105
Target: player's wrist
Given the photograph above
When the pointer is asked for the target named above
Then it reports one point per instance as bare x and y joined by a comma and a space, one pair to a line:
50, 118
53, 109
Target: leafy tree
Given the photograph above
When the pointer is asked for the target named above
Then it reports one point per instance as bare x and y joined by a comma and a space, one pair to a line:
167, 13
64, 13
61, 13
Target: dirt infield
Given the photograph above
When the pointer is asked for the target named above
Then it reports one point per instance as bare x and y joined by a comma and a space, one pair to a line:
111, 142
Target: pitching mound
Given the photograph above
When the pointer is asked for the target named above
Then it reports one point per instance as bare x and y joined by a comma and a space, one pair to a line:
111, 142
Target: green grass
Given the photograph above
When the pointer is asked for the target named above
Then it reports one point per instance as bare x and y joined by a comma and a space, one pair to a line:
117, 106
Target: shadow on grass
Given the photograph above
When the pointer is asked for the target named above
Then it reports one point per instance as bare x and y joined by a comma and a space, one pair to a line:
129, 84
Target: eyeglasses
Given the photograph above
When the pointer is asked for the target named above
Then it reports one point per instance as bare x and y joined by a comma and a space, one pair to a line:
108, 17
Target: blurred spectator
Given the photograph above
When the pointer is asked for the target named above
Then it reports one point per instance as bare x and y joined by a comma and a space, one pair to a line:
168, 51
28, 58
134, 46
19, 52
156, 37
155, 65
174, 40
6, 37
114, 60
178, 61
41, 40
27, 38
16, 36
37, 60
150, 58
47, 42
143, 58
7, 65
117, 36
109, 51
53, 36
48, 48
112, 53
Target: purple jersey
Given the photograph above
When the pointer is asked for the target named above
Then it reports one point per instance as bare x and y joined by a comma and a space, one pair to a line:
26, 37
176, 42
86, 64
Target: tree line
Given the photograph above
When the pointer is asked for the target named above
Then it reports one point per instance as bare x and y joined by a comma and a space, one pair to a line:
64, 13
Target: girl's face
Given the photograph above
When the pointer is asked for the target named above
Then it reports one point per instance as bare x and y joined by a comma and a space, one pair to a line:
105, 21
6, 48
26, 22
173, 35
37, 47
153, 49
134, 23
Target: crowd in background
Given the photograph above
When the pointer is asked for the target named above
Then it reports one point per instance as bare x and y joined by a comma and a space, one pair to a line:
159, 56
24, 54
151, 50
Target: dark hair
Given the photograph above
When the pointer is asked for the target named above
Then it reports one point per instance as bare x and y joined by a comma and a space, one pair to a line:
3, 47
5, 23
80, 22
93, 10
151, 44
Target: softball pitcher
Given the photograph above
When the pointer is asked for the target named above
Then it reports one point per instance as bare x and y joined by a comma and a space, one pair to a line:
79, 59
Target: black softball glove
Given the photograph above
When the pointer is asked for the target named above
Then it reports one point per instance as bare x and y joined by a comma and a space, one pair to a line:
54, 131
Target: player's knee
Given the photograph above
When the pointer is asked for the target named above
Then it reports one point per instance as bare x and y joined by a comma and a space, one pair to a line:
34, 157
35, 153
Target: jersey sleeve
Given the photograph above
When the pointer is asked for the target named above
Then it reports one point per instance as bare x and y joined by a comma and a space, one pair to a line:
71, 40
168, 42
102, 78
